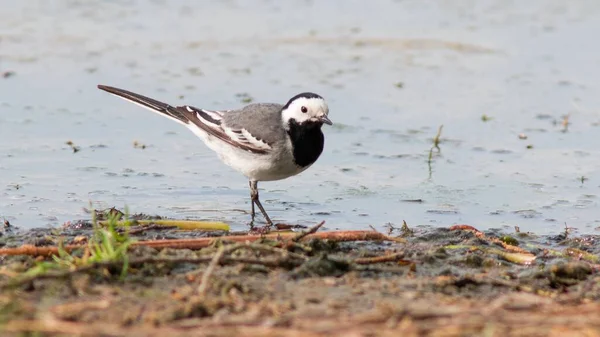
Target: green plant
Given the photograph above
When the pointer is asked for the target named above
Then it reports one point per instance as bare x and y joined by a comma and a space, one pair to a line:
106, 245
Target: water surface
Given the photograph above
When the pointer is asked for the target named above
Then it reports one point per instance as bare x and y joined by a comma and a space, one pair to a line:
499, 76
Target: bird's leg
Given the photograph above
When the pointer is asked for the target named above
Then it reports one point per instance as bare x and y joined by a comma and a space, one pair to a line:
254, 196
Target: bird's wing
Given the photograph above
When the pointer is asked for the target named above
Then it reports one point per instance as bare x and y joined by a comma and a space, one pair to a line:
211, 121
259, 123
208, 121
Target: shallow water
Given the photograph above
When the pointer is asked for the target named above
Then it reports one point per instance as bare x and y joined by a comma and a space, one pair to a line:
392, 72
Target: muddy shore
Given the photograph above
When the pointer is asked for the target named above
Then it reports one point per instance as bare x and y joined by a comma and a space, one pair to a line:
454, 281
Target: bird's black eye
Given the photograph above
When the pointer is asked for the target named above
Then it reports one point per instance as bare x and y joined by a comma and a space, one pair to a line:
304, 109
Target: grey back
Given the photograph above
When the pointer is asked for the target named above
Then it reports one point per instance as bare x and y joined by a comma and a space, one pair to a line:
262, 120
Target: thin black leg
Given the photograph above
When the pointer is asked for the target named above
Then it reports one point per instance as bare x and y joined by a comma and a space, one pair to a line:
252, 213
255, 200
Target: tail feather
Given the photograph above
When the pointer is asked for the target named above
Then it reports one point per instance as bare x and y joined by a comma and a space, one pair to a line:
146, 102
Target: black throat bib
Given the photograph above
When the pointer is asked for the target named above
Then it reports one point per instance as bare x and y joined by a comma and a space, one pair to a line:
307, 141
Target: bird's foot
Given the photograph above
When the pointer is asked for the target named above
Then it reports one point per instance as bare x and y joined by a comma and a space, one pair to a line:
259, 230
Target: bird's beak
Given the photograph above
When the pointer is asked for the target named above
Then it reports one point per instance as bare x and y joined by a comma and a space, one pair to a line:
324, 119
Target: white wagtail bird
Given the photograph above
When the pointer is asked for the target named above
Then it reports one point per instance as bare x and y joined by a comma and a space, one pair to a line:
263, 141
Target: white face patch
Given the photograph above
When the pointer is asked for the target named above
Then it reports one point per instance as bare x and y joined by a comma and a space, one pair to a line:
315, 109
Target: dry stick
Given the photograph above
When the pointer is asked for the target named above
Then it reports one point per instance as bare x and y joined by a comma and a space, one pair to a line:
198, 243
379, 259
205, 242
37, 251
466, 228
481, 235
144, 228
218, 258
208, 272
314, 229
272, 263
181, 224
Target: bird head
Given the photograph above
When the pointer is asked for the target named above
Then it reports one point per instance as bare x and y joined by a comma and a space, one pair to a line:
304, 108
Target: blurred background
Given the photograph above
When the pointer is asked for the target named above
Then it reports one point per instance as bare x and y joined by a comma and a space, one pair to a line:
514, 84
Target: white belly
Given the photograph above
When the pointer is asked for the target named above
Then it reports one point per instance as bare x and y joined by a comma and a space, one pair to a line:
275, 165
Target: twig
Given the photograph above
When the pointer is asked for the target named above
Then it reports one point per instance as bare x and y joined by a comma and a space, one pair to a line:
208, 272
286, 255
272, 263
390, 227
566, 231
468, 228
181, 224
406, 231
436, 139
37, 251
144, 228
379, 259
481, 235
312, 230
198, 243
436, 145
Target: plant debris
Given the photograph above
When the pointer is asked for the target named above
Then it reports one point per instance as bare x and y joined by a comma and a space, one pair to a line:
426, 281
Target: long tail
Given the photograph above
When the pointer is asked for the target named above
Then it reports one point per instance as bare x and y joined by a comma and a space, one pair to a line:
163, 109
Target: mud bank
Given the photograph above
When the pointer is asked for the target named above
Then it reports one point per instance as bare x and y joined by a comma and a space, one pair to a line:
422, 281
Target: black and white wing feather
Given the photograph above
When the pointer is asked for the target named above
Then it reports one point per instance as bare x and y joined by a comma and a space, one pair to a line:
212, 122
209, 121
